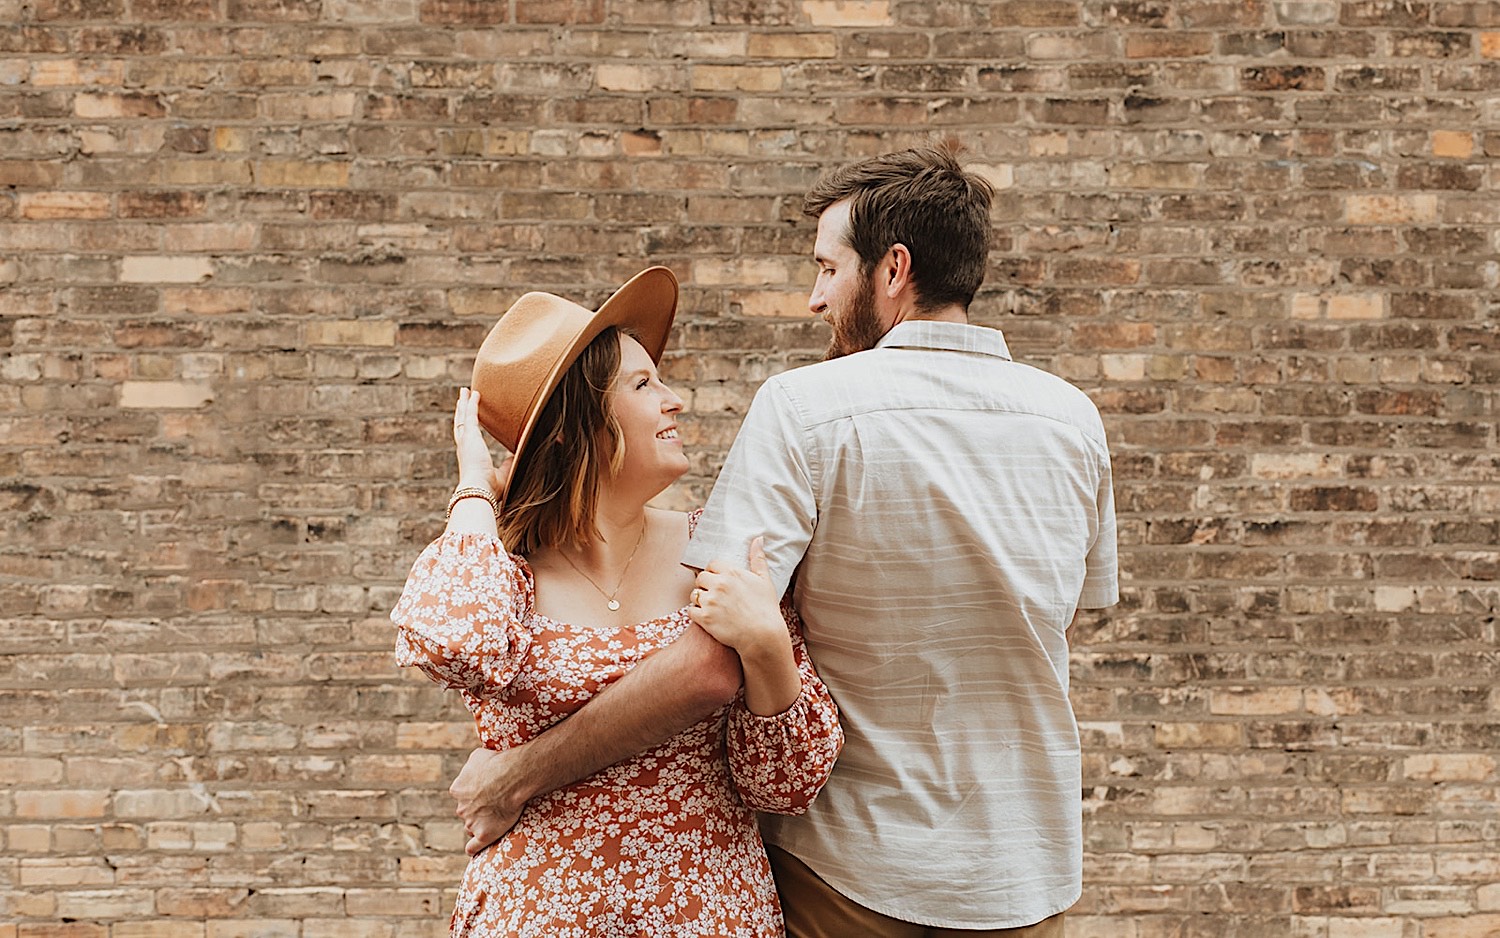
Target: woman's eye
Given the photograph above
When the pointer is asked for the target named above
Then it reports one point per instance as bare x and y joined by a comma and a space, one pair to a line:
642, 384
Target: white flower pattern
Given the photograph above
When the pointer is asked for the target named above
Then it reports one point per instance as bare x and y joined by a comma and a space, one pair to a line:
661, 845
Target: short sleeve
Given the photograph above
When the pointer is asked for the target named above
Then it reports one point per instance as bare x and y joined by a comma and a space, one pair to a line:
461, 616
767, 487
779, 763
1101, 572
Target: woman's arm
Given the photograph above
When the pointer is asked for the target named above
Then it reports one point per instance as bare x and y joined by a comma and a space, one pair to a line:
784, 736
459, 615
779, 763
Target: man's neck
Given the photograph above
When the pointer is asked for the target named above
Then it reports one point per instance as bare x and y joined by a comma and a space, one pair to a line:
950, 313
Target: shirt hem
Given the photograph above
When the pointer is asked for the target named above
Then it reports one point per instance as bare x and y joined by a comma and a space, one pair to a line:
919, 919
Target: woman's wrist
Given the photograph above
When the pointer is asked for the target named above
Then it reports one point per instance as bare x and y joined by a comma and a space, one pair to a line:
475, 481
767, 649
772, 681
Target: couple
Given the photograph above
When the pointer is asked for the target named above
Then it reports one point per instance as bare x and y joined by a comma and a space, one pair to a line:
939, 514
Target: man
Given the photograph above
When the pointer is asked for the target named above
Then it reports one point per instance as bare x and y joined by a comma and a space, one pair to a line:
945, 512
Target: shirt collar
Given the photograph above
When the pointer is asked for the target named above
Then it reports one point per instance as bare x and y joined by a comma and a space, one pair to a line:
947, 336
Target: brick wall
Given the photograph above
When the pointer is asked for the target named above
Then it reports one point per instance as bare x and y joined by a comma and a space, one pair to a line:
248, 246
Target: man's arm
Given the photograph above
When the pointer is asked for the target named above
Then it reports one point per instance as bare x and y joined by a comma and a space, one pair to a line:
662, 696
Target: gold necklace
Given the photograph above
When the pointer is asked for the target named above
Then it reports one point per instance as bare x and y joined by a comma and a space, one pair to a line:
613, 604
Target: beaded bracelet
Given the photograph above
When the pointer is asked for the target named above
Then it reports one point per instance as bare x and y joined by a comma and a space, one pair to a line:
473, 491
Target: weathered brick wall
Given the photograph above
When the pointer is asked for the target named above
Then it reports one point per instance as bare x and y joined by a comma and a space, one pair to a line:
248, 246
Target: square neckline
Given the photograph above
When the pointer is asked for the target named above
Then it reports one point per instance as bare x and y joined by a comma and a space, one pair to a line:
525, 567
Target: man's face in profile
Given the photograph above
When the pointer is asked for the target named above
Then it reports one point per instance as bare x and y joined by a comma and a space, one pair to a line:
843, 294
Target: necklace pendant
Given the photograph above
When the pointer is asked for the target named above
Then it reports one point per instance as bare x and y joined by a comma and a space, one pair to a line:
614, 605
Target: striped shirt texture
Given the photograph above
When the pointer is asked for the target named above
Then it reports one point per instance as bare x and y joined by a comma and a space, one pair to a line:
945, 511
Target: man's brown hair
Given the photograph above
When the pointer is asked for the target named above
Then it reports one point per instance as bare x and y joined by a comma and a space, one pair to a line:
921, 198
554, 489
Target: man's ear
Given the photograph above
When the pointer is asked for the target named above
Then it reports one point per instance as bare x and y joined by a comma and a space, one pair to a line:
895, 270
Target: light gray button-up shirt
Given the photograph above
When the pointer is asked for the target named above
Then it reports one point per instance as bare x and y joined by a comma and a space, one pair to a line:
946, 511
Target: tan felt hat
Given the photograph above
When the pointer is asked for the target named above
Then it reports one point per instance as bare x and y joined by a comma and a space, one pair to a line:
526, 354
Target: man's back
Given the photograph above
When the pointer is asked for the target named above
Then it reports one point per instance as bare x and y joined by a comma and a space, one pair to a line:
950, 510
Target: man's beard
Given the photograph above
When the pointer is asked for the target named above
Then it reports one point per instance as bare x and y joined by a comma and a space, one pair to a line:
857, 329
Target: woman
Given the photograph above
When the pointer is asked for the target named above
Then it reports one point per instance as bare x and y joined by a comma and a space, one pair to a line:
533, 604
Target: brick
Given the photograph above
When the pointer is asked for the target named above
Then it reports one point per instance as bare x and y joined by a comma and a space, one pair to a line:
792, 46
756, 78
1368, 306
157, 929
66, 872
1382, 209
109, 105
1283, 78
60, 804
165, 269
1449, 767
296, 174
352, 332
1198, 735
1034, 13
54, 205
157, 395
857, 13
634, 78
30, 174
563, 12
1173, 45
1267, 701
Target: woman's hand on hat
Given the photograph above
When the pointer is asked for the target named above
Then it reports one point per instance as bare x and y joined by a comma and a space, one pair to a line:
476, 466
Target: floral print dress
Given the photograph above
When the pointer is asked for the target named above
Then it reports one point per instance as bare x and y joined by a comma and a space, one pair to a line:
663, 844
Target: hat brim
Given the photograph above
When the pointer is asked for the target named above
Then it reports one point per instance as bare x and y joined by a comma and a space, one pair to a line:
646, 305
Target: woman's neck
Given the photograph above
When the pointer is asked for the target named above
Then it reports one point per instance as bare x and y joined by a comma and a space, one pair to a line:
621, 522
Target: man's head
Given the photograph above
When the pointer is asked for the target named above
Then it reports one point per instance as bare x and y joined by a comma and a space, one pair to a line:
916, 229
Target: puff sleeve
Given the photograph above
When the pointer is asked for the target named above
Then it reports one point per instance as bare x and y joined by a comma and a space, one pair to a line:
461, 616
779, 763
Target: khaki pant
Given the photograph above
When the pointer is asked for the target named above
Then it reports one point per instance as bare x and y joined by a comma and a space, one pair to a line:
814, 909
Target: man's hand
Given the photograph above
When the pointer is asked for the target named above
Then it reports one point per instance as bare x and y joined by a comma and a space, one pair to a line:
487, 797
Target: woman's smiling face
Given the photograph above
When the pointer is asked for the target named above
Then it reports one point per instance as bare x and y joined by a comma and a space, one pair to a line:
646, 411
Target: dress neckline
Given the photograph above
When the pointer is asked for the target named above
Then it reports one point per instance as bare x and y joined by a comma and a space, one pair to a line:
525, 565
657, 620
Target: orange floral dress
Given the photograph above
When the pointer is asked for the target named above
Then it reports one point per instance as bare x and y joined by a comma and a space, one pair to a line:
663, 844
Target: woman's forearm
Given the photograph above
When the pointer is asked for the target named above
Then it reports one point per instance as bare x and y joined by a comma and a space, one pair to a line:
772, 681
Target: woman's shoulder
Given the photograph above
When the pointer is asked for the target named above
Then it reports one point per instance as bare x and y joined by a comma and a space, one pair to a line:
673, 519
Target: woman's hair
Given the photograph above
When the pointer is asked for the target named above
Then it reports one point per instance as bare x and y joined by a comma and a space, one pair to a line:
554, 488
